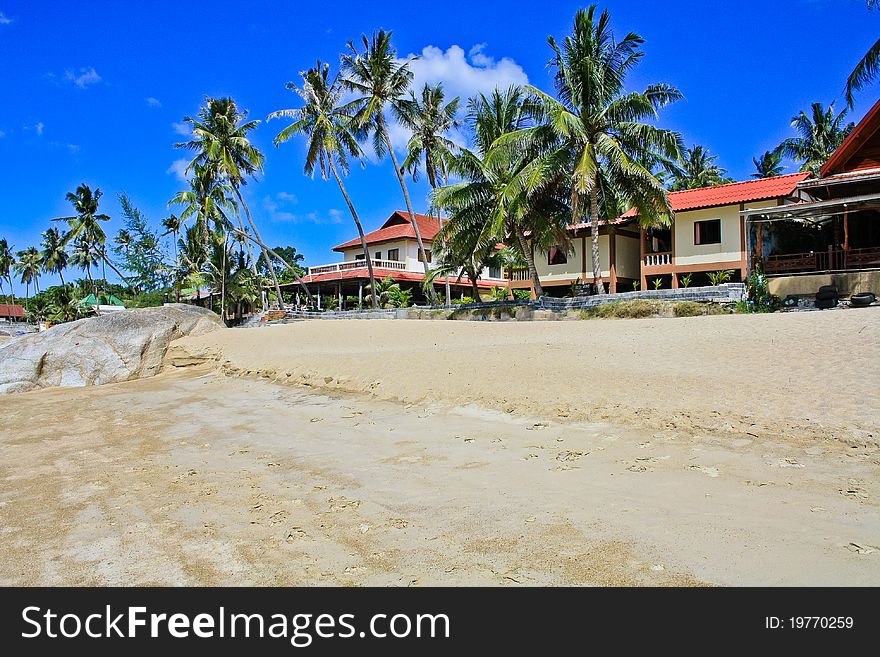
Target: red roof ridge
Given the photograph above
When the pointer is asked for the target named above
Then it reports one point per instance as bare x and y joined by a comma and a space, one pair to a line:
846, 148
802, 174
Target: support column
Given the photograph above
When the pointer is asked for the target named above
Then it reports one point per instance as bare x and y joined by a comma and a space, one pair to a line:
643, 282
319, 296
360, 293
297, 298
339, 295
612, 257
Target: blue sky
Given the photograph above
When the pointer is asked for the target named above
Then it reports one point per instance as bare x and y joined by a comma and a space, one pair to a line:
94, 91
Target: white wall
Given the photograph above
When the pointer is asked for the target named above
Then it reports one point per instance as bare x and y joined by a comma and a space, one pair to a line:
626, 256
728, 250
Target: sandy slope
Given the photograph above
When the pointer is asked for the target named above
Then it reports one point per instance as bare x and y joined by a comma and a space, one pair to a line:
797, 375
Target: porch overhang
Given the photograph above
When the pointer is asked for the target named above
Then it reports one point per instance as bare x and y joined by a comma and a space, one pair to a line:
815, 212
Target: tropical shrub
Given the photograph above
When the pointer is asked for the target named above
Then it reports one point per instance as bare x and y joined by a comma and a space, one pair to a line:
522, 295
720, 276
657, 283
399, 298
685, 281
498, 293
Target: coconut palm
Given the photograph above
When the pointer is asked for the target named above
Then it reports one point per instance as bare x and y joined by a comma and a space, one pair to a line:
599, 129
493, 202
429, 120
28, 268
868, 68
819, 136
206, 201
329, 130
172, 225
768, 165
193, 253
54, 256
7, 261
84, 254
220, 140
382, 81
697, 169
86, 223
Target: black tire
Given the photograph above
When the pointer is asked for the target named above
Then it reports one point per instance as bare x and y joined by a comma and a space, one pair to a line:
827, 289
862, 299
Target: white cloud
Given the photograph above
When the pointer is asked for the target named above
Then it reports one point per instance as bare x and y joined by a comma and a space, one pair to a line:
182, 129
73, 149
2, 134
153, 102
278, 211
39, 128
286, 196
83, 77
178, 168
4, 20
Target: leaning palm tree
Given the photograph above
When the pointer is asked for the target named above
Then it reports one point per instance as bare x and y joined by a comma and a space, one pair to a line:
429, 120
54, 256
697, 169
381, 80
819, 136
493, 202
598, 131
172, 225
85, 255
329, 130
7, 261
86, 223
220, 140
768, 165
193, 254
28, 268
868, 68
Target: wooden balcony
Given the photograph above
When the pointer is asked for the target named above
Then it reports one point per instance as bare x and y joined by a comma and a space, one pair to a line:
823, 261
518, 274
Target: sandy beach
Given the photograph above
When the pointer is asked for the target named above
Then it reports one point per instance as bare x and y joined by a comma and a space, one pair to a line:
727, 450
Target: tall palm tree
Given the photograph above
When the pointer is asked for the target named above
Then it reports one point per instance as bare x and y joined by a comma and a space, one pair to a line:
206, 201
172, 225
193, 253
768, 165
329, 130
819, 136
493, 202
430, 120
7, 264
868, 68
28, 269
382, 81
220, 140
86, 223
54, 255
85, 255
697, 169
599, 129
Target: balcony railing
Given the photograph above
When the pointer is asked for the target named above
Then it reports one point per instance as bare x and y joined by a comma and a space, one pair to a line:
658, 259
357, 264
830, 260
518, 274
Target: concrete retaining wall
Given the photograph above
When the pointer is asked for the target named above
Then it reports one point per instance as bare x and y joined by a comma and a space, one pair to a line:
725, 293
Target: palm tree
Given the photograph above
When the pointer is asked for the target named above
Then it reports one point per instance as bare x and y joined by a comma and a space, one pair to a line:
598, 128
28, 269
54, 255
867, 69
697, 169
381, 80
84, 254
769, 165
193, 253
7, 264
430, 121
329, 131
220, 139
86, 223
494, 202
172, 225
819, 136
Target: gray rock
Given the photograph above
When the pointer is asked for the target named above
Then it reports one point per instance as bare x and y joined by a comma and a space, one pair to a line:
127, 344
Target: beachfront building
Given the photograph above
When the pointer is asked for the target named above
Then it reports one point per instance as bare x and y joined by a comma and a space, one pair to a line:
394, 252
707, 235
832, 235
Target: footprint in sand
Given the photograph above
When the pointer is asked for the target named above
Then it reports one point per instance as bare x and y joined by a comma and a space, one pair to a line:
786, 463
708, 470
861, 548
342, 503
854, 490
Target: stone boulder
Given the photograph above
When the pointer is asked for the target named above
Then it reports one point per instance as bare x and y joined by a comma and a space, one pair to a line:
118, 346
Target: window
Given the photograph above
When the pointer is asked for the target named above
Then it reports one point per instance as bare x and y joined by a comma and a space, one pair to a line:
427, 255
377, 255
359, 256
707, 232
556, 256
494, 272
394, 254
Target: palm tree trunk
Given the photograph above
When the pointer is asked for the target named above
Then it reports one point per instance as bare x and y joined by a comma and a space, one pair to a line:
223, 279
530, 259
374, 301
176, 267
272, 253
432, 294
475, 290
11, 290
259, 241
594, 228
106, 260
61, 275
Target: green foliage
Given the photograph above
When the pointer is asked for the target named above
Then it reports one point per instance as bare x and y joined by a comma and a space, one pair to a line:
463, 300
819, 135
657, 282
138, 247
573, 287
685, 281
635, 309
768, 166
522, 295
697, 169
720, 277
399, 298
759, 299
498, 293
636, 285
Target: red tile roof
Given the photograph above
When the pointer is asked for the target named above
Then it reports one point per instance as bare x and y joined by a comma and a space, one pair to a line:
396, 274
857, 138
732, 193
397, 227
11, 310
